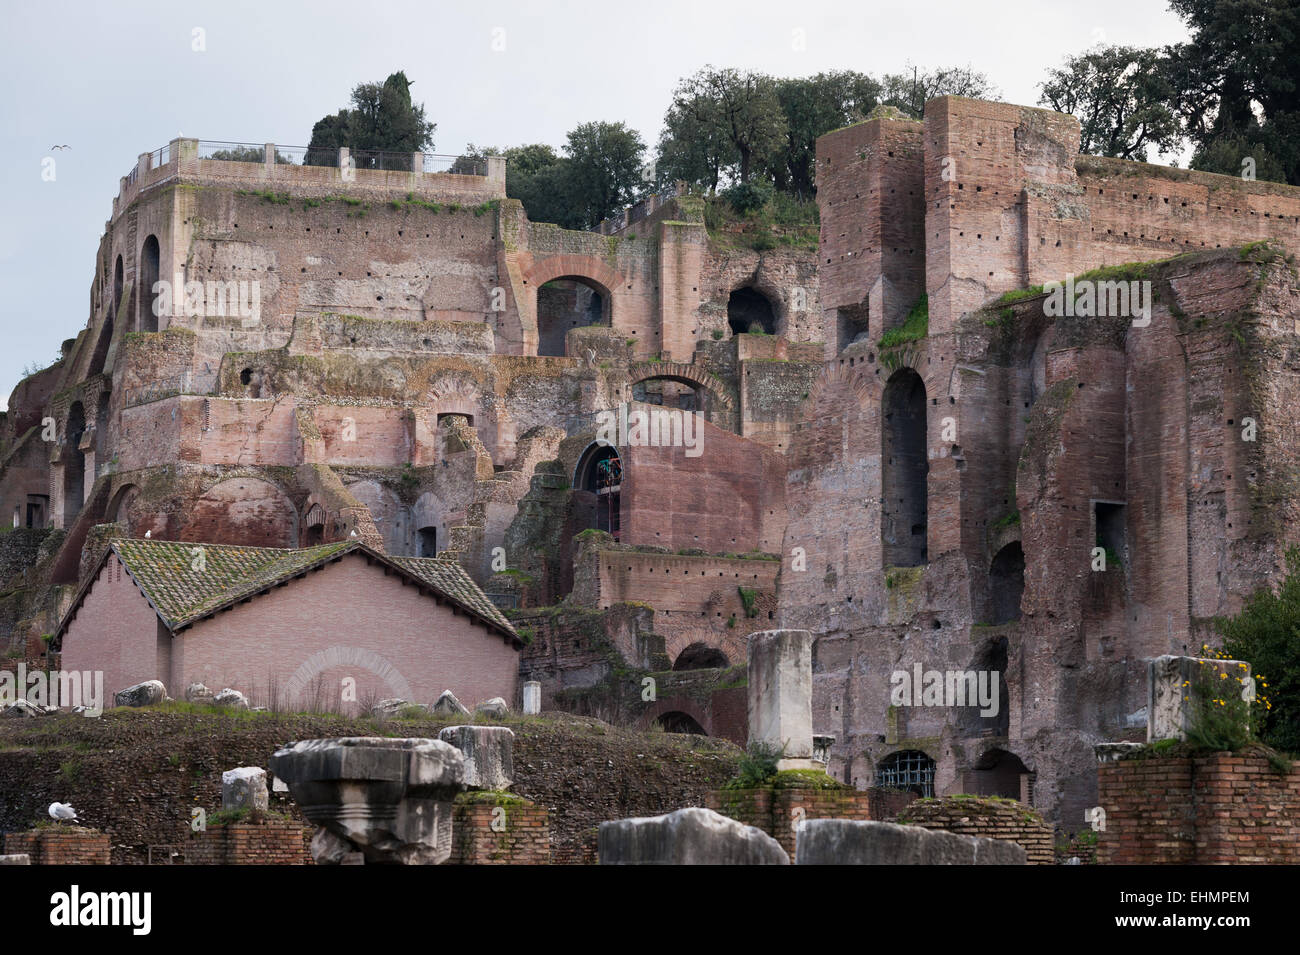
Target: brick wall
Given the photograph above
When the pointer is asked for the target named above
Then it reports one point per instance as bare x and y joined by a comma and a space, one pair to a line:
524, 836
266, 843
59, 847
778, 810
986, 817
1221, 809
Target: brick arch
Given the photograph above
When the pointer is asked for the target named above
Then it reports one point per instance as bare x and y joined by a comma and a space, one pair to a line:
677, 704
682, 373
579, 266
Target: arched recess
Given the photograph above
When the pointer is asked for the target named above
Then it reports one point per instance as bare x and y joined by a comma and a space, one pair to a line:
749, 311
1000, 773
588, 270
701, 656
1006, 584
989, 665
74, 463
105, 338
242, 510
314, 525
429, 530
566, 303
119, 509
597, 487
391, 517
676, 721
710, 392
904, 470
150, 260
908, 769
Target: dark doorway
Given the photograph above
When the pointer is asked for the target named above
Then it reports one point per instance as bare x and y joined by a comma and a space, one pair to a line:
905, 467
678, 722
74, 464
428, 541
149, 264
701, 656
564, 304
749, 311
909, 770
999, 773
1006, 584
600, 479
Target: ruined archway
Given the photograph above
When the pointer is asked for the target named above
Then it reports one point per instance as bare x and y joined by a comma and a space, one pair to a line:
904, 467
701, 656
150, 260
675, 721
597, 485
1006, 584
568, 267
1000, 773
74, 463
566, 303
242, 510
749, 311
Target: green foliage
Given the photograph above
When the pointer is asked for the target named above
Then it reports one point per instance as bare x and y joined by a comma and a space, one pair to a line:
1122, 98
757, 767
908, 92
1266, 634
914, 328
748, 598
748, 197
382, 117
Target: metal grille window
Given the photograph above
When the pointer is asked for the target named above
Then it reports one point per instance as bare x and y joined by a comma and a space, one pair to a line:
910, 769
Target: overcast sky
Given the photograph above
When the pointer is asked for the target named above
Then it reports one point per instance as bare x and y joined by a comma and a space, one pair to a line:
113, 80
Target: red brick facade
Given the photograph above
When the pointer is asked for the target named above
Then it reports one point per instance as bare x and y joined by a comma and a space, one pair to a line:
59, 847
496, 829
268, 843
778, 811
1221, 809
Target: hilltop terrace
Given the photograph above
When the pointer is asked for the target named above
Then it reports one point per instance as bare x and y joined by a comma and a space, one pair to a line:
269, 167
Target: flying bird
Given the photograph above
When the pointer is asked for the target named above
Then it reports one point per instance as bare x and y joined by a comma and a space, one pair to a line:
62, 811
65, 146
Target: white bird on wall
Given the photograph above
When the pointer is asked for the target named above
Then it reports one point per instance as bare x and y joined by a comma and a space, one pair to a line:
62, 811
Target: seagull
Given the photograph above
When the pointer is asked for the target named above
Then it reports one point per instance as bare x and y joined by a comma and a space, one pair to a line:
354, 532
148, 535
65, 146
60, 810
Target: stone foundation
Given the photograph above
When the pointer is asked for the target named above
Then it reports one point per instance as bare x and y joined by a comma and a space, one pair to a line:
777, 809
987, 817
237, 843
524, 836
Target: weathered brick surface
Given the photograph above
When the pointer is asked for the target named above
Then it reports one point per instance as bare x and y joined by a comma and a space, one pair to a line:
57, 847
778, 811
264, 843
506, 831
1220, 809
990, 818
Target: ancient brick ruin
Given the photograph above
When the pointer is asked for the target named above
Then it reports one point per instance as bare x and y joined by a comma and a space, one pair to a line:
873, 442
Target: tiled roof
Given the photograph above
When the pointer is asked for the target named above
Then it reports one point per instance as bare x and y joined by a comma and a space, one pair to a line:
188, 581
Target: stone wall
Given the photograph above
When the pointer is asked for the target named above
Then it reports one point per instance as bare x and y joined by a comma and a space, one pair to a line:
1180, 809
992, 818
778, 809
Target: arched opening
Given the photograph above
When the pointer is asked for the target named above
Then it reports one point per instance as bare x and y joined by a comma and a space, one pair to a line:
119, 511
74, 464
598, 481
905, 466
676, 721
701, 656
1006, 584
909, 770
565, 303
989, 665
314, 526
150, 257
999, 773
749, 312
118, 279
668, 393
427, 541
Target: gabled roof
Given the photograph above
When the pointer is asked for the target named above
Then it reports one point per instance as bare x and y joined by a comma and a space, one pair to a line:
183, 589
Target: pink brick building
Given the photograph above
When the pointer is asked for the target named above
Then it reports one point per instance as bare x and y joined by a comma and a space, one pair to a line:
316, 628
